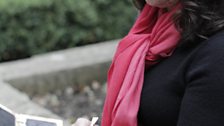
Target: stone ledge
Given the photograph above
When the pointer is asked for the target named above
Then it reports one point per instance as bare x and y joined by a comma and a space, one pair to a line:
20, 103
59, 60
52, 69
47, 72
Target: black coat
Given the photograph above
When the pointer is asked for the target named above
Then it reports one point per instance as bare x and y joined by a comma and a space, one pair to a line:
186, 89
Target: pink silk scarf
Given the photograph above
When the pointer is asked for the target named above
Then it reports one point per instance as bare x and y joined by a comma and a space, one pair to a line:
152, 37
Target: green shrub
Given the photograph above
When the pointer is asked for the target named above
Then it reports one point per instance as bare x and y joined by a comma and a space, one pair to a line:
29, 27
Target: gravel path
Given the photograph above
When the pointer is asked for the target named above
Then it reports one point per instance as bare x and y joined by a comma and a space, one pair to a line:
73, 102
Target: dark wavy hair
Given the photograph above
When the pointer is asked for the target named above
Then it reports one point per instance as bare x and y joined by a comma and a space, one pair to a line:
198, 19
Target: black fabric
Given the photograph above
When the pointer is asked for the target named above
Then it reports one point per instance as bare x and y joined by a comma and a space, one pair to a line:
186, 89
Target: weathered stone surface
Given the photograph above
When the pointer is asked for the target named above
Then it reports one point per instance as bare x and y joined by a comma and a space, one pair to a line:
20, 103
48, 72
56, 70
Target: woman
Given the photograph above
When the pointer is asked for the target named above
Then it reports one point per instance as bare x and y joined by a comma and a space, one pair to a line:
168, 70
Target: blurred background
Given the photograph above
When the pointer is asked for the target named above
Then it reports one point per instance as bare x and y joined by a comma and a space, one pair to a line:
43, 27
29, 27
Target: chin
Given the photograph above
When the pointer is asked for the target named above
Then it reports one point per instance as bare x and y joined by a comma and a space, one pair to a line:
154, 4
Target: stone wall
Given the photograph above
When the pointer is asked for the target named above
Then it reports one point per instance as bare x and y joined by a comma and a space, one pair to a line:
43, 73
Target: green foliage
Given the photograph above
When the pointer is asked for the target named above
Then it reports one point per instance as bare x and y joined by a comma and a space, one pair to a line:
29, 27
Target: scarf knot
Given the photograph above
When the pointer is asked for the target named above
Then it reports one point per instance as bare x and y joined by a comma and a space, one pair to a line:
152, 37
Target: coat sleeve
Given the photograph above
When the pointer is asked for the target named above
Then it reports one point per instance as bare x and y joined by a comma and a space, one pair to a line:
203, 101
